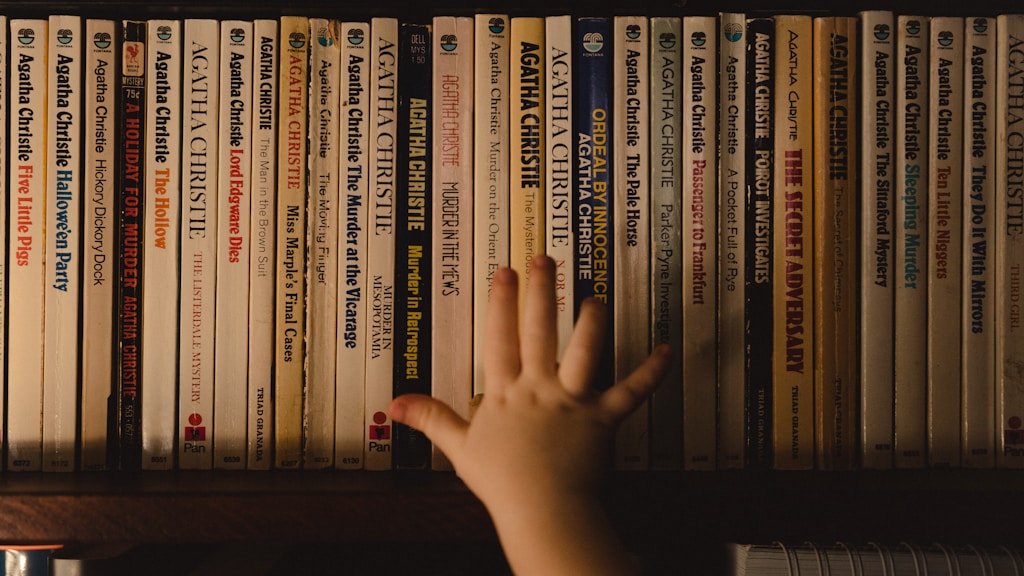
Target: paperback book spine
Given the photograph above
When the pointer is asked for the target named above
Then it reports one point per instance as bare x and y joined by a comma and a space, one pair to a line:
452, 283
877, 206
491, 161
352, 289
561, 245
63, 243
381, 243
4, 189
978, 362
700, 302
415, 234
527, 193
793, 316
666, 237
98, 258
595, 249
945, 201
200, 103
234, 199
910, 305
160, 255
131, 242
262, 248
26, 249
631, 224
732, 273
760, 134
836, 242
322, 244
289, 302
1009, 209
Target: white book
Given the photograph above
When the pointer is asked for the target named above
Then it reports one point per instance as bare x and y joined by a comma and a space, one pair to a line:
63, 239
26, 245
1009, 208
877, 232
732, 230
978, 374
381, 243
910, 304
201, 105
322, 244
352, 249
160, 254
491, 171
699, 219
452, 245
290, 305
945, 201
262, 247
234, 199
559, 168
4, 167
98, 249
666, 237
631, 224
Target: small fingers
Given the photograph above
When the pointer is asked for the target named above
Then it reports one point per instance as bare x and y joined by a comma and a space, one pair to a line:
582, 355
623, 398
437, 420
539, 335
501, 354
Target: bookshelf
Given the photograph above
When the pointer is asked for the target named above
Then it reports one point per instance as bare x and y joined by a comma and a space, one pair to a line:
668, 518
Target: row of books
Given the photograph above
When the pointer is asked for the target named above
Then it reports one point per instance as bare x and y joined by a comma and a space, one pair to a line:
261, 231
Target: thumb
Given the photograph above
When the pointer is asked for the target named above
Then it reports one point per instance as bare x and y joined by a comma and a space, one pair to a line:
434, 418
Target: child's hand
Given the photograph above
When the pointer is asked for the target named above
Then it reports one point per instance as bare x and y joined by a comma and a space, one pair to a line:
540, 440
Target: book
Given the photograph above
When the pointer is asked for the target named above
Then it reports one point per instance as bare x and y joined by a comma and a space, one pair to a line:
63, 241
233, 241
595, 248
160, 254
491, 165
759, 190
198, 239
290, 325
836, 242
873, 559
732, 233
666, 237
945, 199
527, 207
877, 233
322, 223
27, 185
451, 364
263, 245
631, 224
1009, 245
559, 152
4, 189
978, 375
353, 249
381, 243
794, 243
558, 166
910, 304
416, 235
98, 253
699, 248
130, 241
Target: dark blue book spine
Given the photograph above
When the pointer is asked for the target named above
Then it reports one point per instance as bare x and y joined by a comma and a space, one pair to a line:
128, 307
760, 33
413, 236
593, 223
